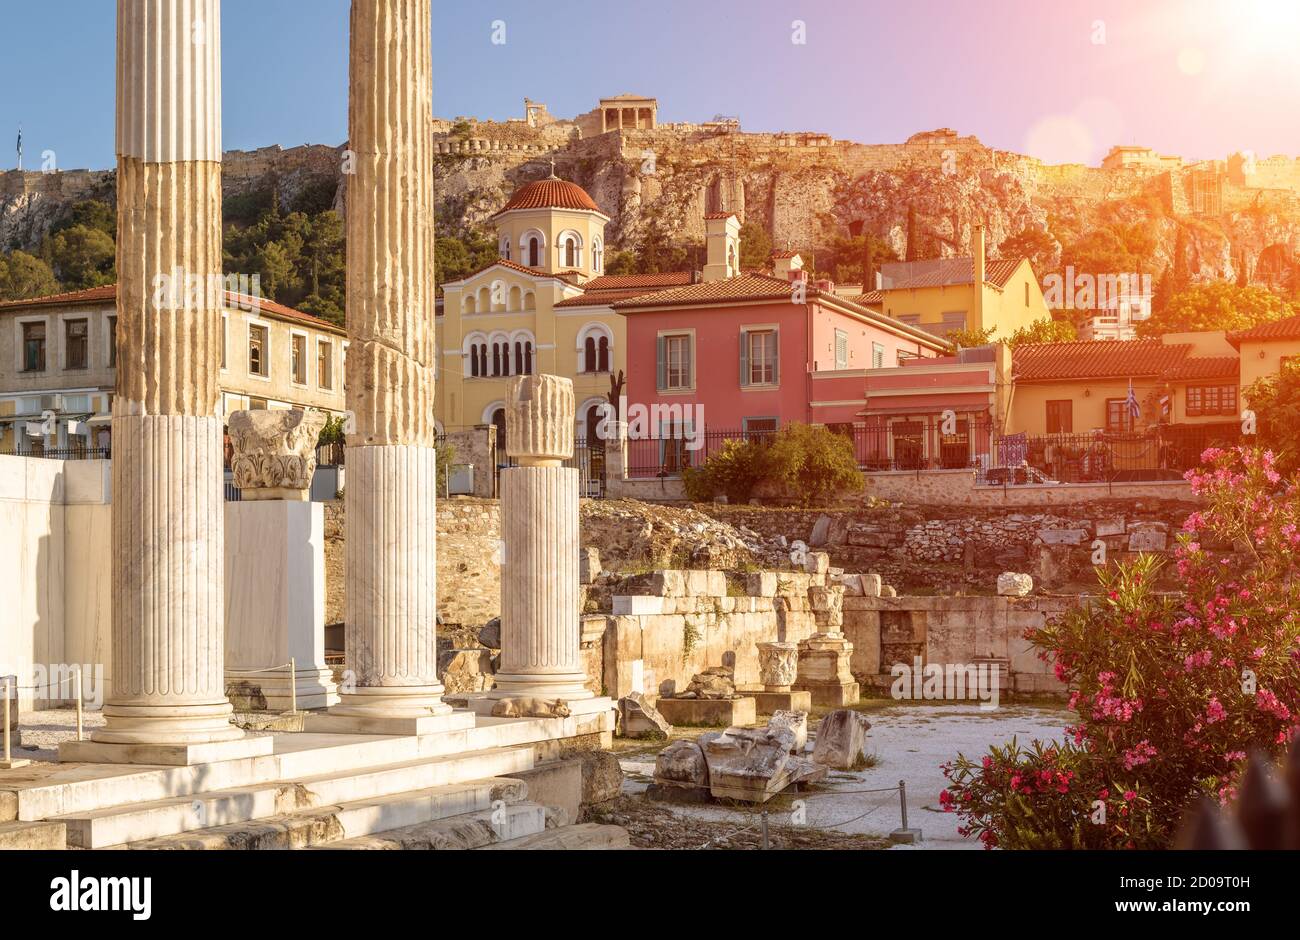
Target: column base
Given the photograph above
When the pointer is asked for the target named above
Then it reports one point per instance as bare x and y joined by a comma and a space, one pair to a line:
167, 724
171, 755
332, 722
568, 687
390, 710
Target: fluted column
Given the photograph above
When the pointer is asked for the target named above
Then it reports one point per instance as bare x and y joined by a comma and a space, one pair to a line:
391, 515
540, 626
167, 612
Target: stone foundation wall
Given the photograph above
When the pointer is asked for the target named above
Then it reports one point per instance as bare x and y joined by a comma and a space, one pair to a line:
469, 561
683, 622
951, 631
945, 547
957, 488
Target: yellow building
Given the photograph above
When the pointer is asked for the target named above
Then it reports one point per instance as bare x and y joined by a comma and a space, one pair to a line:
1263, 349
543, 306
940, 295
1078, 388
58, 366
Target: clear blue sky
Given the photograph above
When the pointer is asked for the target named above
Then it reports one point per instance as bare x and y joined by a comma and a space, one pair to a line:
1194, 77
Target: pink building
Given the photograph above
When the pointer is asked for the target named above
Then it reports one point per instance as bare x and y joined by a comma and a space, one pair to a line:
750, 353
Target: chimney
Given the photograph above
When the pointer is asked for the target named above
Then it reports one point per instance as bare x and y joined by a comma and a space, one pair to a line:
785, 264
722, 237
977, 287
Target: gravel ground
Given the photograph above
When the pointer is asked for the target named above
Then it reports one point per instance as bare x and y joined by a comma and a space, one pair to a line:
41, 732
910, 743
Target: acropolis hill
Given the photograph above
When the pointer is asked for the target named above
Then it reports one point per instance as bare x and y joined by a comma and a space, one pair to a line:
802, 186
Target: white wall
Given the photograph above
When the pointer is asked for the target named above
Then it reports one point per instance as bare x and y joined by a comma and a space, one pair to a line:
54, 546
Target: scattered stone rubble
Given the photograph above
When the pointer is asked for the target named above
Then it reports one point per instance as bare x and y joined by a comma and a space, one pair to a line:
842, 740
755, 764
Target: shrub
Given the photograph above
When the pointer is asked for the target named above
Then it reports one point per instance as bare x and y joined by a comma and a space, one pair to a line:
732, 471
814, 463
1171, 691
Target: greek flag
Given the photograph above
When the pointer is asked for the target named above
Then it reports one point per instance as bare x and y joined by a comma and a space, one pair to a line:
1134, 409
20, 148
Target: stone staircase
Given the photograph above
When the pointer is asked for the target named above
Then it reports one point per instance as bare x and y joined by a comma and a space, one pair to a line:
349, 791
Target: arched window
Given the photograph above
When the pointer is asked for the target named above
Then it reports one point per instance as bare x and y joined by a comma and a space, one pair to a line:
496, 358
505, 247
597, 256
528, 358
534, 252
595, 347
499, 420
593, 425
731, 261
519, 356
570, 254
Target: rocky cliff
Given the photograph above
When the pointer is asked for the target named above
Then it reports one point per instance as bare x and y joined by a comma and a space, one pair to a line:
1230, 219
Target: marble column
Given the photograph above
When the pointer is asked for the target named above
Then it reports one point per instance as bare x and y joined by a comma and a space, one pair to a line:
167, 530
540, 624
391, 517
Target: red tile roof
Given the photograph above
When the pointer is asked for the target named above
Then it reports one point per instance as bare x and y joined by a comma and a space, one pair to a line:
629, 281
744, 287
784, 254
597, 298
1278, 329
1046, 362
719, 215
996, 273
550, 193
91, 295
1205, 367
108, 295
511, 265
870, 299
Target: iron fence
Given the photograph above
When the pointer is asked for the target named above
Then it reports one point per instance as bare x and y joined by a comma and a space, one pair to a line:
65, 453
917, 443
587, 459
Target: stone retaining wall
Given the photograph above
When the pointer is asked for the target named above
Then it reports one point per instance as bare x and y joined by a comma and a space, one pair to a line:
951, 631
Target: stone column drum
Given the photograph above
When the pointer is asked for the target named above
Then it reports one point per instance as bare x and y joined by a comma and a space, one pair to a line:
392, 649
168, 703
540, 625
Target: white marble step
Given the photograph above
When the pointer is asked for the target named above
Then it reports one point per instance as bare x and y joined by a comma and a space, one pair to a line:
325, 824
56, 790
136, 822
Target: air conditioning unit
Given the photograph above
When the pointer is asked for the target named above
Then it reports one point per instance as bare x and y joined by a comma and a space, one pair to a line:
52, 402
460, 480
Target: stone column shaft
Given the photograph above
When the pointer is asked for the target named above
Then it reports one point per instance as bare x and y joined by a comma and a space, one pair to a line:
541, 632
390, 496
168, 624
540, 625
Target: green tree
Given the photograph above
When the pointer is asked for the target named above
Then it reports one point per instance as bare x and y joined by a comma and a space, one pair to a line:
23, 276
1218, 305
755, 246
734, 470
1044, 331
1032, 243
968, 338
275, 267
81, 257
1275, 399
814, 463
